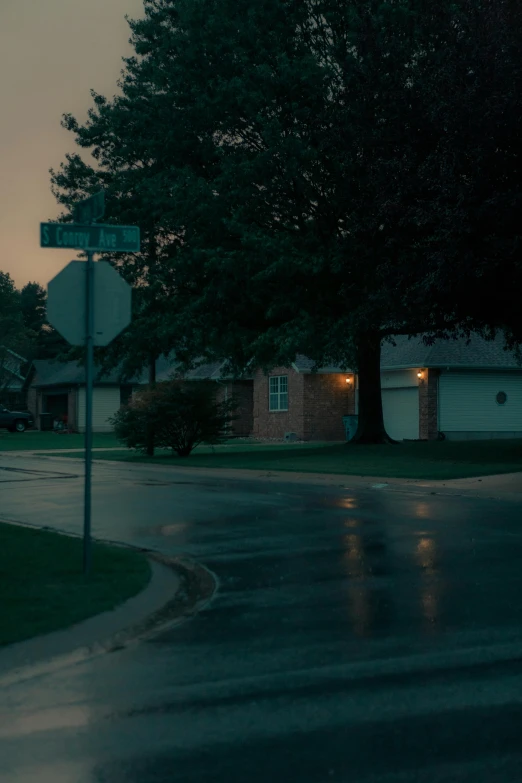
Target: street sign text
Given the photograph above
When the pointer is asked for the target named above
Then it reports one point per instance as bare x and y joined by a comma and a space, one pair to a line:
97, 238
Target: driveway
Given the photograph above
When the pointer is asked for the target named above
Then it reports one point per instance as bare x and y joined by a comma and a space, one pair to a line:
357, 635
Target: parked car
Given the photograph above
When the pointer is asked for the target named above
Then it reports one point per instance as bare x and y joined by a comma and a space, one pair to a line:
15, 421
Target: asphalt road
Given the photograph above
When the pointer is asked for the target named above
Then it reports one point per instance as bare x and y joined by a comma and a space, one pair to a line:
357, 636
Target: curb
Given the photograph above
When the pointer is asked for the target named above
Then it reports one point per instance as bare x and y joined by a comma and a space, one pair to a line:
196, 588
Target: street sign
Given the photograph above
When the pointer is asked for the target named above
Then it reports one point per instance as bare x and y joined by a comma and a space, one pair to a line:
89, 304
66, 303
94, 238
91, 209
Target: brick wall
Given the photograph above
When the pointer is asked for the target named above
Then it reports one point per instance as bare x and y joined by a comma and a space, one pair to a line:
274, 424
428, 405
243, 391
327, 398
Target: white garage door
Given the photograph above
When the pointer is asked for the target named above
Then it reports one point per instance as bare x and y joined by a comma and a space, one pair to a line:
401, 412
468, 402
105, 403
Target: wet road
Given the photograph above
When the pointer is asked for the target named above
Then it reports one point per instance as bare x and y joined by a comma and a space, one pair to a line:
369, 636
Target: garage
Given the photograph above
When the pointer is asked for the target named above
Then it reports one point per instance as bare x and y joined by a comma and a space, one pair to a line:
401, 412
480, 404
105, 403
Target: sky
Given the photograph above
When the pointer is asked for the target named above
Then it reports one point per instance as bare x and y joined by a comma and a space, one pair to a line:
52, 53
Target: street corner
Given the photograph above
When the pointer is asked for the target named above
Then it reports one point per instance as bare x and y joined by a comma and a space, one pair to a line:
178, 589
197, 586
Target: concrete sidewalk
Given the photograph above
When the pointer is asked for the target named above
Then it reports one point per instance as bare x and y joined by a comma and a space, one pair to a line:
95, 635
506, 486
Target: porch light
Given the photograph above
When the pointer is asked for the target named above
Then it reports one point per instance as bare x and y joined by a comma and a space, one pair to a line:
420, 374
348, 380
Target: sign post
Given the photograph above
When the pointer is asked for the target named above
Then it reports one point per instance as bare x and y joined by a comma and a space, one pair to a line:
89, 304
89, 372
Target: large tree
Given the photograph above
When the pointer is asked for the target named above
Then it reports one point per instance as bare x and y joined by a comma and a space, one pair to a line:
303, 126
46, 342
308, 160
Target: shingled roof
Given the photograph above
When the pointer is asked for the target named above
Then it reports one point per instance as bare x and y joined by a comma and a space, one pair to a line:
53, 373
407, 352
480, 354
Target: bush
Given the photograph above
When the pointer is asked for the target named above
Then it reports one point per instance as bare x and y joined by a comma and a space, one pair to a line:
181, 415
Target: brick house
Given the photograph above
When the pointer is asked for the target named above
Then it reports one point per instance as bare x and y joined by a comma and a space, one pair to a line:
462, 391
309, 405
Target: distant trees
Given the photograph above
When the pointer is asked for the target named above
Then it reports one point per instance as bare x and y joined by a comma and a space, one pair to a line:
314, 177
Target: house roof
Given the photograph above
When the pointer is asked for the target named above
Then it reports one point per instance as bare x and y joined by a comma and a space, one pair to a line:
50, 372
54, 373
16, 355
480, 354
304, 364
407, 352
5, 366
213, 371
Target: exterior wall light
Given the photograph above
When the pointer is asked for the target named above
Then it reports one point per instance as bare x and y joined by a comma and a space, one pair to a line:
420, 374
348, 380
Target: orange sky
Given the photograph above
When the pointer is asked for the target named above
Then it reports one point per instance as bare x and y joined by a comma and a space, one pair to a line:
52, 52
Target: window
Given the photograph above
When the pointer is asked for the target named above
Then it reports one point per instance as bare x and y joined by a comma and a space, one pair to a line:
278, 397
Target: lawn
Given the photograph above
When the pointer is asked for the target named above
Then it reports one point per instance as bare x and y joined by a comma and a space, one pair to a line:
42, 587
416, 460
34, 441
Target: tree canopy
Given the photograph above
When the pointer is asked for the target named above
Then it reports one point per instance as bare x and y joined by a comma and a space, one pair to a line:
322, 175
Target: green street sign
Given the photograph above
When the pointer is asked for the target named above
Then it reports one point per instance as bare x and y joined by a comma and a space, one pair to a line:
91, 209
96, 238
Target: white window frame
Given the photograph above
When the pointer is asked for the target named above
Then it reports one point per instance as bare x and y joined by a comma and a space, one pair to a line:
277, 393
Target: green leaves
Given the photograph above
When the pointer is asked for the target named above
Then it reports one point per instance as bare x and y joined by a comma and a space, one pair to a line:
180, 415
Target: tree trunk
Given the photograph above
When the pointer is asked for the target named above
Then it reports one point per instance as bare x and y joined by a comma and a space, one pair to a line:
152, 381
370, 427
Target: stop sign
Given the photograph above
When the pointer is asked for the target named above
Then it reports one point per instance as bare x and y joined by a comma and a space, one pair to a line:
66, 303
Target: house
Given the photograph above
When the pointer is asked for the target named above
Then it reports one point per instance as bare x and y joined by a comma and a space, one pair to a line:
296, 401
58, 388
462, 391
12, 378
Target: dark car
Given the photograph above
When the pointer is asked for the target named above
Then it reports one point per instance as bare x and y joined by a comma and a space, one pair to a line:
15, 421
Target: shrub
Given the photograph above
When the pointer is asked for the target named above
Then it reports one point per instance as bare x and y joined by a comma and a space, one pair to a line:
180, 414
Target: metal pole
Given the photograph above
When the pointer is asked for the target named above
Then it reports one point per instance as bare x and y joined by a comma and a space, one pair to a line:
89, 372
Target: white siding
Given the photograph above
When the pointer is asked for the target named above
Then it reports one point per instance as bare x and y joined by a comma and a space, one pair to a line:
399, 379
106, 401
400, 408
467, 402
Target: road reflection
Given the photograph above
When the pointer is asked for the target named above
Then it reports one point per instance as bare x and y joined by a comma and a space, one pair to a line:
365, 555
370, 558
427, 557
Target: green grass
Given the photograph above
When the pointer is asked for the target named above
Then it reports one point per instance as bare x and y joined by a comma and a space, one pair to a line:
426, 460
34, 441
42, 587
